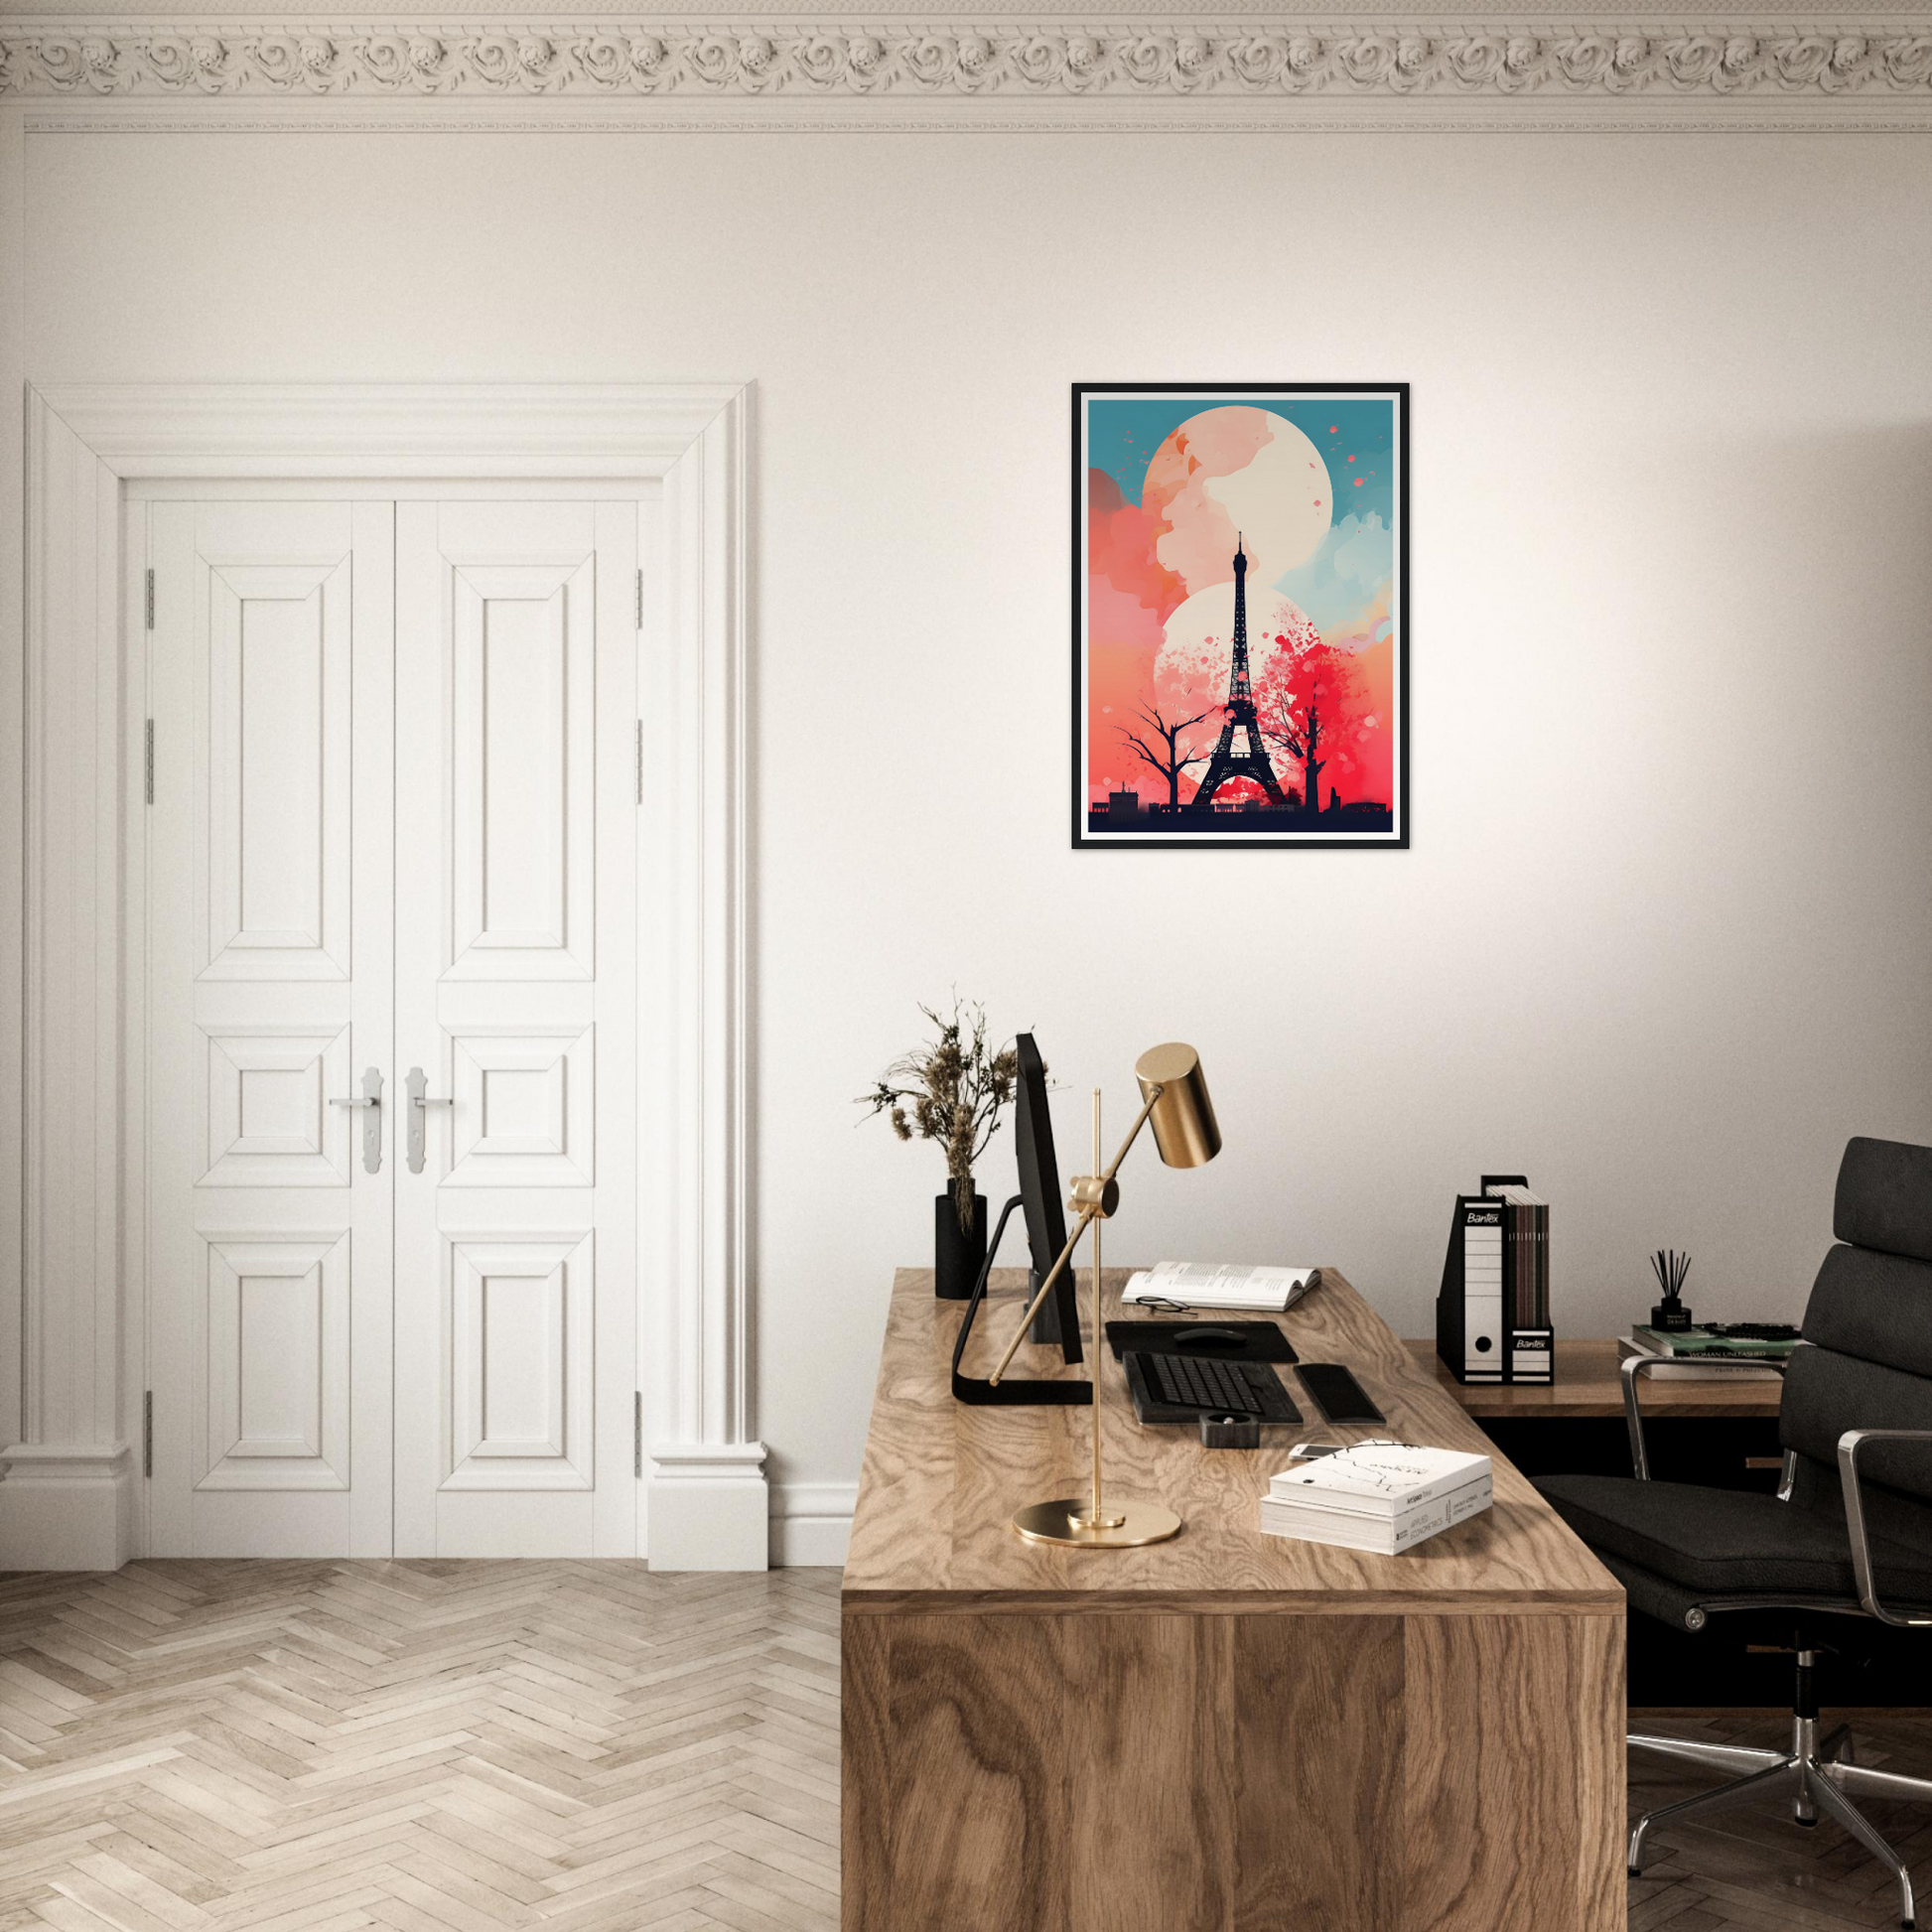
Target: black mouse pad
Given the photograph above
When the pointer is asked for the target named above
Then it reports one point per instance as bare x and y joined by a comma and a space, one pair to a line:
1217, 1341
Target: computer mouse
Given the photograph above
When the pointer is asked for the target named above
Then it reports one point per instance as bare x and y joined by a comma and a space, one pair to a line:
1210, 1337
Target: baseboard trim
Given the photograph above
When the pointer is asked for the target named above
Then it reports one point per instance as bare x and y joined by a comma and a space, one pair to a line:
710, 1507
811, 1523
66, 1506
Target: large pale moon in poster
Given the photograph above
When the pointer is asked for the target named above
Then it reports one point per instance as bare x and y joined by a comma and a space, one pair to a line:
1237, 471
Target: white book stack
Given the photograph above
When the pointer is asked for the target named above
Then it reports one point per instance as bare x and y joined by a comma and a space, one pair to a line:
1687, 1368
1385, 1497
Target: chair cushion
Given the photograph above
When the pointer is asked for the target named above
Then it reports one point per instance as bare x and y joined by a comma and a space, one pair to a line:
1727, 1541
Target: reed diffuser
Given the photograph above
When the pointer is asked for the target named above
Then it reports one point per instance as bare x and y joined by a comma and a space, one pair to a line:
1670, 1268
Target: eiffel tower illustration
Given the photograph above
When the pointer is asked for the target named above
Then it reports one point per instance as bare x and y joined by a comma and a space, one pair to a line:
1226, 763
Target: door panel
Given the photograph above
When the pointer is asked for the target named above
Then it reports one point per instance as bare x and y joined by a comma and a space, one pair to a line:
522, 770
515, 1242
521, 1329
270, 992
278, 1394
278, 790
525, 1107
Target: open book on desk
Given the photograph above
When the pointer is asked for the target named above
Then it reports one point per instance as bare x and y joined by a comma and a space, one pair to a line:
1212, 1284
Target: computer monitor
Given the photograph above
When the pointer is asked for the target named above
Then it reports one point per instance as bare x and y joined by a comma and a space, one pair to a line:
1039, 1195
1039, 1198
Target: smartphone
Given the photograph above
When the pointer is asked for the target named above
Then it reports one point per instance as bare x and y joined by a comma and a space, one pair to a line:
1336, 1393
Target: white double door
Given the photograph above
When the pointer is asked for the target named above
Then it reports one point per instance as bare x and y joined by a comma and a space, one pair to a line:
390, 859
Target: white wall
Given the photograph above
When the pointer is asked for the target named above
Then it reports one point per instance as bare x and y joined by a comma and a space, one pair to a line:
1662, 937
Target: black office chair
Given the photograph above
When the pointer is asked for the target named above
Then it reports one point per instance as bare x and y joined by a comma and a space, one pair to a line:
1849, 1535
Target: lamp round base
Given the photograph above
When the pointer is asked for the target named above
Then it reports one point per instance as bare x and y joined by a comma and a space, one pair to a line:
1062, 1521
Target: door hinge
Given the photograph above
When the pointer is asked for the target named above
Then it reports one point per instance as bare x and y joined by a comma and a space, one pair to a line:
150, 600
147, 1434
640, 761
148, 761
638, 1433
641, 598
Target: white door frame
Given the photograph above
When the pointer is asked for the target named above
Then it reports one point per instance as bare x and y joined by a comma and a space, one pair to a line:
71, 1447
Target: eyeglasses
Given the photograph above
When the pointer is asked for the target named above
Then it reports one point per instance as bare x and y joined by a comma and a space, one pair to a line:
1162, 1305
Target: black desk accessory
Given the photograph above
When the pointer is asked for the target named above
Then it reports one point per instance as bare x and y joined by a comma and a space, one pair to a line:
1058, 1319
1184, 1389
1010, 1392
1336, 1393
1493, 1316
1670, 1314
1226, 1342
1230, 1432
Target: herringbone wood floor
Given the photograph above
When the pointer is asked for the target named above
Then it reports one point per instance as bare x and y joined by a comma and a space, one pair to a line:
569, 1747
1754, 1869
322, 1747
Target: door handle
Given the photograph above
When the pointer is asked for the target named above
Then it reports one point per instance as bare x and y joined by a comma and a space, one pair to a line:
417, 1081
370, 1098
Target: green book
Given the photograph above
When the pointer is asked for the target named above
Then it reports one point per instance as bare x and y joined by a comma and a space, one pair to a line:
1701, 1341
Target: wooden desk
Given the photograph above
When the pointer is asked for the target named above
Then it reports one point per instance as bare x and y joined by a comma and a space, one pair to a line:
1228, 1732
1587, 1385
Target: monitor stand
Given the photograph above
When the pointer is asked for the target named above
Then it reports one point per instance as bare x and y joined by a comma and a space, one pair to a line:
1047, 1323
1012, 1391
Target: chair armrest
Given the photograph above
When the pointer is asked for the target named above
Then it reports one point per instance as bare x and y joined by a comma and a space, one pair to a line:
1636, 1365
1848, 1446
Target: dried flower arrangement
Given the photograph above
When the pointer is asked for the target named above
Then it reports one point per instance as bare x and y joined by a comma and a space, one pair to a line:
950, 1091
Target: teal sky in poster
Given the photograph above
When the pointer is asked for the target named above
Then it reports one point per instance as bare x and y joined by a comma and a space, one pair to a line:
1121, 434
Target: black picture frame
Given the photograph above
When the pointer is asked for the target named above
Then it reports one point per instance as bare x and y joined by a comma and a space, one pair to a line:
1396, 839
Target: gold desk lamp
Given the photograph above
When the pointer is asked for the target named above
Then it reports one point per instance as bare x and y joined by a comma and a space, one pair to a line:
1175, 1099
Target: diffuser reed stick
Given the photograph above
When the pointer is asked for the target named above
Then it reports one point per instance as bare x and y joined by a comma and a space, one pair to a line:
1670, 1268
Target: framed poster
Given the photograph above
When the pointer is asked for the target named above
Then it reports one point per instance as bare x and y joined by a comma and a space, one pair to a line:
1240, 613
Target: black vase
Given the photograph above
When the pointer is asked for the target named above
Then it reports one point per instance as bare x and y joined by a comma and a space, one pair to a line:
957, 1258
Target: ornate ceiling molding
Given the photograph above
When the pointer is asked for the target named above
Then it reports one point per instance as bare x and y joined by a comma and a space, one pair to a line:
1884, 72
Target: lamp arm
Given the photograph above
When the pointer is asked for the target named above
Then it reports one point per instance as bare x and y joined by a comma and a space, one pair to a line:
1087, 1215
1133, 1133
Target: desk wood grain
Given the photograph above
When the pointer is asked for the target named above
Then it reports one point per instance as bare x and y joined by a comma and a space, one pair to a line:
1228, 1732
942, 1480
1587, 1386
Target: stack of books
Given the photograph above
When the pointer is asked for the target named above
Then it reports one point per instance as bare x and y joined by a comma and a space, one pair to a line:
1385, 1497
1526, 1255
1687, 1354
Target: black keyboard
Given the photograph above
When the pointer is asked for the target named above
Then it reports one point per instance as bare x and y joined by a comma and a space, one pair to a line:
1207, 1387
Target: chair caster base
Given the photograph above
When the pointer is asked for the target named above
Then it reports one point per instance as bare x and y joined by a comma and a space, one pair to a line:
1819, 1778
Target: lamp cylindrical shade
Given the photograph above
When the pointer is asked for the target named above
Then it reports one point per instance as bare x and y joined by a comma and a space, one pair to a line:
1184, 1128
